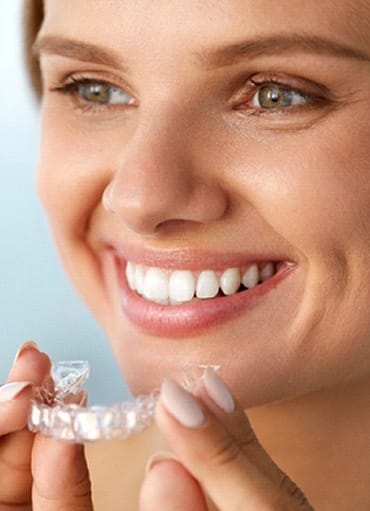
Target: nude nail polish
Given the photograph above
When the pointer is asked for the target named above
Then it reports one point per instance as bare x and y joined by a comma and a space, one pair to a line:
23, 347
12, 390
181, 404
217, 390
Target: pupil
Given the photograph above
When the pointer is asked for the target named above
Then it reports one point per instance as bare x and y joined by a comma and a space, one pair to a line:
96, 90
274, 95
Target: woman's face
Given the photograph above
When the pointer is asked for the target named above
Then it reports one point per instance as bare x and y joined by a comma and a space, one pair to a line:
221, 136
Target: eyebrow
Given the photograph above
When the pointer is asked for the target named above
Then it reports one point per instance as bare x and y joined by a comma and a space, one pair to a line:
224, 56
79, 50
276, 45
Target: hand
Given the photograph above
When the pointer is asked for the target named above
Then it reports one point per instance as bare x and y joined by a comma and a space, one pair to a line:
220, 461
29, 369
36, 473
61, 477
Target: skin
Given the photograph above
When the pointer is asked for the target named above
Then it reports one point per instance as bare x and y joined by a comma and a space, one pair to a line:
311, 205
295, 182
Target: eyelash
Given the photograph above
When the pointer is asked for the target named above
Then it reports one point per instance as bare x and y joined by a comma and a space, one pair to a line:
70, 88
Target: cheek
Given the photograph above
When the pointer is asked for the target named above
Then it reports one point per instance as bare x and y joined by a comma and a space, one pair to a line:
71, 175
71, 178
312, 190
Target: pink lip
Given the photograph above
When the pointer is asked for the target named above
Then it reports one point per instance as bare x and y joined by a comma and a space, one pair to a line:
193, 259
191, 318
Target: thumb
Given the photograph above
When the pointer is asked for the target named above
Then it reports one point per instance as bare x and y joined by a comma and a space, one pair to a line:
169, 486
220, 450
61, 477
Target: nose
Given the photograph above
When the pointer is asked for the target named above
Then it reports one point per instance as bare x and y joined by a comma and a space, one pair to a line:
158, 183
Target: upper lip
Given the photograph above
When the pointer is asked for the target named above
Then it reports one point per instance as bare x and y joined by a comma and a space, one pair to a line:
192, 258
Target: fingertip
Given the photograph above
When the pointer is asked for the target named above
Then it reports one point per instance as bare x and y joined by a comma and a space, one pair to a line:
218, 391
31, 364
157, 457
183, 406
168, 485
27, 345
46, 361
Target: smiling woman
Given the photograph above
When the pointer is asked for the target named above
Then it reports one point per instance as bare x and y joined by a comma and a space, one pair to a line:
204, 168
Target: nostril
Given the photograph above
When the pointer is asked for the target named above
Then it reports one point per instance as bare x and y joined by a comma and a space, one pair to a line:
147, 204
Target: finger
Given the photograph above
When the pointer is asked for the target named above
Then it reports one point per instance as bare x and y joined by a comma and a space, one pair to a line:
168, 486
60, 476
213, 392
30, 364
229, 473
15, 470
29, 368
14, 402
16, 441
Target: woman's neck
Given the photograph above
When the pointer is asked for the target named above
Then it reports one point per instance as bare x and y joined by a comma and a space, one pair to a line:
322, 441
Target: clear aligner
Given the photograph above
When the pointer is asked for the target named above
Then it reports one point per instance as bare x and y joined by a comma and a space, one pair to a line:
58, 411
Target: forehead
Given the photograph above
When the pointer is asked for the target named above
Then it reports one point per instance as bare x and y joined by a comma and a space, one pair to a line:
164, 25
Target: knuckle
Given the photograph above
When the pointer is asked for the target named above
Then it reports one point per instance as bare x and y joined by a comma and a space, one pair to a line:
249, 440
81, 489
289, 488
78, 497
225, 453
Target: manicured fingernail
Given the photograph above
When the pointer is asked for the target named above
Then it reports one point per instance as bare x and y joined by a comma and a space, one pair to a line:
192, 376
29, 345
181, 404
12, 390
217, 390
157, 457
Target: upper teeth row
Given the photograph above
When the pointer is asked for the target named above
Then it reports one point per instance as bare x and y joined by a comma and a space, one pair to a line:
179, 286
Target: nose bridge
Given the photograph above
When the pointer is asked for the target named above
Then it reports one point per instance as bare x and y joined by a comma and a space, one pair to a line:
154, 155
156, 179
161, 135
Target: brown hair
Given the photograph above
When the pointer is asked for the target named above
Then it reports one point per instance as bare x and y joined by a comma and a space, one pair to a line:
33, 15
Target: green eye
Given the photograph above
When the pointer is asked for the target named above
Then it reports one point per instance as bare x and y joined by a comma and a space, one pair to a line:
275, 97
102, 93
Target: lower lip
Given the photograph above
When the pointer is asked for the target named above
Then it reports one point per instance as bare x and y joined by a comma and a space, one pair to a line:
189, 319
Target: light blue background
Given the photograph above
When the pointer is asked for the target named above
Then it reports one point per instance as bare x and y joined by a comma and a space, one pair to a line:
36, 299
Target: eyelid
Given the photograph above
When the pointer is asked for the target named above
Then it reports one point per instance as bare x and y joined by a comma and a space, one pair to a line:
76, 83
299, 84
315, 93
73, 80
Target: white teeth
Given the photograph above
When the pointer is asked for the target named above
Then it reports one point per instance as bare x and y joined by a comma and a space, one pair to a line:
251, 277
130, 274
230, 281
207, 284
139, 279
267, 271
156, 285
181, 286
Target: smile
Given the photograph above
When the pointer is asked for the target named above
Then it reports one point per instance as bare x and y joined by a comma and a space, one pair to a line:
166, 299
176, 287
